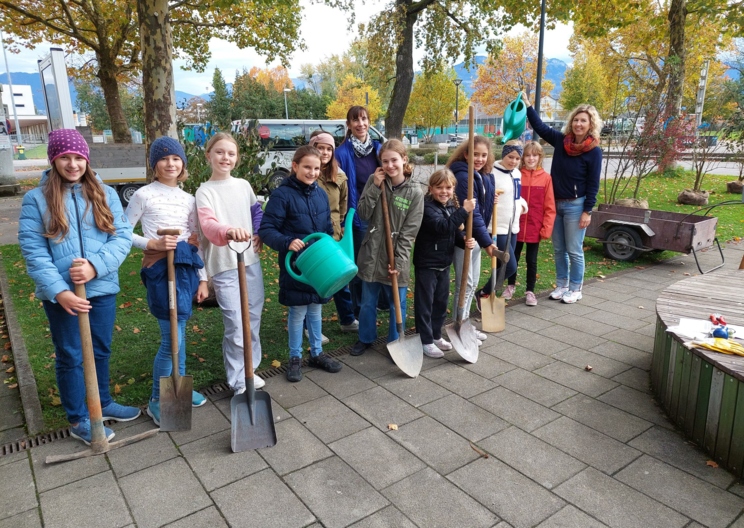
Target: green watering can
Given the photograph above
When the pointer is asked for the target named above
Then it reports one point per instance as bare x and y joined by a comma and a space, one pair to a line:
326, 265
515, 117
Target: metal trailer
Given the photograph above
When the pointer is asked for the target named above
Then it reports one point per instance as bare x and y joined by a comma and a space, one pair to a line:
627, 232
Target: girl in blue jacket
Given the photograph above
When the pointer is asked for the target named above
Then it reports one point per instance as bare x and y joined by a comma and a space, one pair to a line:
163, 205
297, 208
72, 218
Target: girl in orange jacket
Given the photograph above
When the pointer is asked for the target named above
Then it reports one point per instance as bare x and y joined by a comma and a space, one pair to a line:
537, 224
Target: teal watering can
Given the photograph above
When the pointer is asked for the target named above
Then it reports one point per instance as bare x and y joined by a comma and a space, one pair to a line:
326, 265
515, 117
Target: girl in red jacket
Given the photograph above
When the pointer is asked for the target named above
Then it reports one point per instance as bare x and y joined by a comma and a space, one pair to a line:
537, 224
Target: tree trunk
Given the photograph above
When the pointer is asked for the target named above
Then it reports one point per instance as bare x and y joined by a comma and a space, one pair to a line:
403, 78
110, 87
675, 63
157, 72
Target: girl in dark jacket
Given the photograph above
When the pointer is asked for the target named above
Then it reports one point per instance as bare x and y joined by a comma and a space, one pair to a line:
432, 257
296, 209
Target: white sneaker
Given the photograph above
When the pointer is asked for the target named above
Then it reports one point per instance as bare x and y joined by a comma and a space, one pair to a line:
258, 382
571, 296
323, 339
432, 351
558, 293
508, 292
480, 335
241, 390
443, 344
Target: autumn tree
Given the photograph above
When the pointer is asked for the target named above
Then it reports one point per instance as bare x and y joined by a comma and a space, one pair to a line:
507, 72
111, 31
353, 91
433, 100
276, 78
586, 82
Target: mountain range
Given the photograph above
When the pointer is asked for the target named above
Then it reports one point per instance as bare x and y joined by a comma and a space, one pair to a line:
556, 70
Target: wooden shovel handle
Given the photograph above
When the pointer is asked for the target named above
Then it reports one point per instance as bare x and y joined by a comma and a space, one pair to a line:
246, 318
469, 223
163, 232
494, 222
391, 254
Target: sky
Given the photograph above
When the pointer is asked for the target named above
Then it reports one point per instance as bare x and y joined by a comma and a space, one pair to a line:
319, 41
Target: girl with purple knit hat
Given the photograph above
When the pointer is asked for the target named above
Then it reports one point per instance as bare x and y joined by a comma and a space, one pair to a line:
73, 218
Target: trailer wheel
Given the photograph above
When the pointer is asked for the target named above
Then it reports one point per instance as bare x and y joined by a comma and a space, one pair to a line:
126, 192
276, 180
617, 243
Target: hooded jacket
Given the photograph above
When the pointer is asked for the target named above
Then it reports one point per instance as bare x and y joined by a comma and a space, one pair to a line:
338, 199
483, 187
294, 211
406, 208
511, 204
48, 261
440, 232
537, 189
345, 158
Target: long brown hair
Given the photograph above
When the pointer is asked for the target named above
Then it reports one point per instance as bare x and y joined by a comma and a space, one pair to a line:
330, 169
461, 153
95, 198
396, 145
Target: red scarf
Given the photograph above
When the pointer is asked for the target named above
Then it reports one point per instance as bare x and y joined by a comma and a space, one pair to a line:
575, 149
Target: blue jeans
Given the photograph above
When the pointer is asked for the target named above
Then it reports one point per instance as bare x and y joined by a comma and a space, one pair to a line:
310, 314
344, 306
163, 364
368, 311
69, 353
568, 244
511, 266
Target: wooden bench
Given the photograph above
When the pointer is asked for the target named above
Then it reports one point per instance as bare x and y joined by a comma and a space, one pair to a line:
702, 391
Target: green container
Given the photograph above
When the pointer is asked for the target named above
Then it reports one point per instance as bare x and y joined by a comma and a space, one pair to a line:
326, 265
515, 118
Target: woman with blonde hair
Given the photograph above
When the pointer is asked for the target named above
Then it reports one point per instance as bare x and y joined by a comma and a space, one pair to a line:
575, 169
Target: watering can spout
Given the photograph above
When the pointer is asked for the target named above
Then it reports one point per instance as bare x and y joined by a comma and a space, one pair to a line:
347, 242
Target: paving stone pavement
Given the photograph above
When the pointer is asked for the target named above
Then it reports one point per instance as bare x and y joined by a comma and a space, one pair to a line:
565, 447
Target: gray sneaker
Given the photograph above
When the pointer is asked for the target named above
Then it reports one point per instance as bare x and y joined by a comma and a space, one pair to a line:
351, 327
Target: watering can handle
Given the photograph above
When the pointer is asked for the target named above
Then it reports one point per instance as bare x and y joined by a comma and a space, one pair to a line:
288, 258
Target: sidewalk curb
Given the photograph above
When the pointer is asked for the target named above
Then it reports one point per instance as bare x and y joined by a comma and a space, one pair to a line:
25, 374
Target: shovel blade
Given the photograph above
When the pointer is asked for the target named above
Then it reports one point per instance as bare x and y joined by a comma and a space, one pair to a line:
408, 353
252, 425
175, 403
493, 312
464, 340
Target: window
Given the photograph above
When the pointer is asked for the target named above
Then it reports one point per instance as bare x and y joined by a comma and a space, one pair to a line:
282, 137
337, 131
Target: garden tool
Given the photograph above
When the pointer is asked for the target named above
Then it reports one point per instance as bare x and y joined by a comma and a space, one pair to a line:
493, 312
407, 351
99, 444
252, 419
175, 390
462, 332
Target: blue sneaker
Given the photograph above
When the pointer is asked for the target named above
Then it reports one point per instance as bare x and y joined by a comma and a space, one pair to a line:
82, 431
153, 411
197, 399
120, 413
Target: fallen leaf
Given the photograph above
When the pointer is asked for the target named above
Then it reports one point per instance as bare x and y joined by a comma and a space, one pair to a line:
5, 358
7, 346
640, 307
393, 427
13, 386
201, 359
55, 401
118, 328
125, 305
600, 276
588, 368
10, 370
117, 389
136, 330
687, 274
276, 363
478, 450
130, 381
711, 463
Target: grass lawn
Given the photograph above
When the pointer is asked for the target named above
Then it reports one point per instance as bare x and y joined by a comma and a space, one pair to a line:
137, 335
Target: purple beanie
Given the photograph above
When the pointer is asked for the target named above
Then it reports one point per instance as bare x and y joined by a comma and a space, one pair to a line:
165, 146
67, 141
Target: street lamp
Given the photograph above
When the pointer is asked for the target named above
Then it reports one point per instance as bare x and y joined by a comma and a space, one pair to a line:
538, 84
286, 108
457, 82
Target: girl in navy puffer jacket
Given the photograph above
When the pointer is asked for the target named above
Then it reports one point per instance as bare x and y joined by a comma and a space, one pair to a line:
296, 209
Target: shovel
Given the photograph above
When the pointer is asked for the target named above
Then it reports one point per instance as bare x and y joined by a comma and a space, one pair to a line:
462, 333
407, 352
493, 314
251, 416
98, 442
175, 390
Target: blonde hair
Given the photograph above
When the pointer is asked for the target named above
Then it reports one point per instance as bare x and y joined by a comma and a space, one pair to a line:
461, 153
595, 122
397, 146
57, 222
181, 177
219, 136
443, 176
533, 147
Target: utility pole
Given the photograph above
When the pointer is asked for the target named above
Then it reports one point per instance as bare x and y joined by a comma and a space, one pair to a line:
457, 82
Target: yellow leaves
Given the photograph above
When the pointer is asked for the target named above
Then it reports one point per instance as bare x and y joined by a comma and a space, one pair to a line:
117, 389
135, 330
433, 98
118, 328
10, 370
276, 363
54, 401
353, 91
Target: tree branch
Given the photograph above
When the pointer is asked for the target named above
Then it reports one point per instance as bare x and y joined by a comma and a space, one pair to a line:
415, 9
46, 22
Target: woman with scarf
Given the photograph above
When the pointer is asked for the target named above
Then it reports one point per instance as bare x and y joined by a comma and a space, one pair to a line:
575, 169
357, 157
